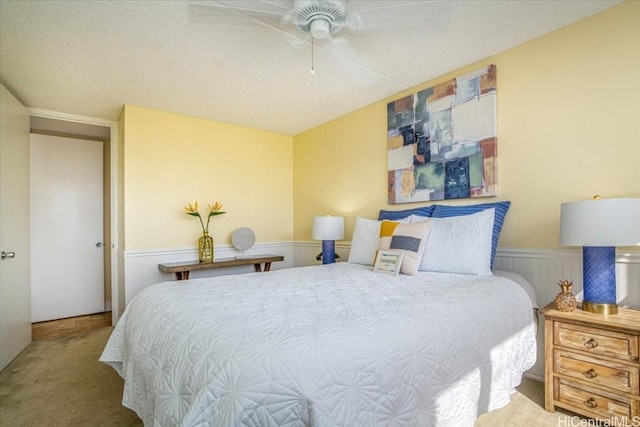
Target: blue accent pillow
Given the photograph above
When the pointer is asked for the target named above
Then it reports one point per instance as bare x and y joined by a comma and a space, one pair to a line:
396, 215
445, 211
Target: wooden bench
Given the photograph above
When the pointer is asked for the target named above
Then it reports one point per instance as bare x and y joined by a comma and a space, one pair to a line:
182, 269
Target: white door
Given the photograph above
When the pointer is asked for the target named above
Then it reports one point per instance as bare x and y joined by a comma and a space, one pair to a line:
67, 262
15, 286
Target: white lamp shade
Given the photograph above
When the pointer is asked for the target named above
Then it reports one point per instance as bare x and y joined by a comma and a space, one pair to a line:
328, 228
600, 222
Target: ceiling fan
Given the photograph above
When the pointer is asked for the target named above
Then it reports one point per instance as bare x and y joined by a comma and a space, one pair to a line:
321, 19
331, 22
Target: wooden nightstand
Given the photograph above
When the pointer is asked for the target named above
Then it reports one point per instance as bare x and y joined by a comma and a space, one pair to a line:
591, 364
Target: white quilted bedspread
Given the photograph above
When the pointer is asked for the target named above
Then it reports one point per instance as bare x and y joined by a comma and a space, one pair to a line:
334, 345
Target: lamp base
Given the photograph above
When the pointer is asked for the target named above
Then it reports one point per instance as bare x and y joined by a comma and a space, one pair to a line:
599, 273
605, 309
328, 251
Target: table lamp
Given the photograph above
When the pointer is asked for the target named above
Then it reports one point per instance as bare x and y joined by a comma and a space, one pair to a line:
599, 225
328, 229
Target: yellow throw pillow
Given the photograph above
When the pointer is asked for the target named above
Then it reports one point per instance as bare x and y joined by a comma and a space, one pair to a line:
386, 231
407, 238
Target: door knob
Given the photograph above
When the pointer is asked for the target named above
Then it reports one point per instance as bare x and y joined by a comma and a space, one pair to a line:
8, 254
99, 245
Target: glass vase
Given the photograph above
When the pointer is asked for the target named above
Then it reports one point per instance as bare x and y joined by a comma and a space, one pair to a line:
205, 248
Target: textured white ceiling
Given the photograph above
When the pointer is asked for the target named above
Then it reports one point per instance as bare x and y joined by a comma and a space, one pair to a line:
91, 57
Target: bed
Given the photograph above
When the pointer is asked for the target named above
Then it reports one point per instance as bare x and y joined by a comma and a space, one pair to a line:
329, 345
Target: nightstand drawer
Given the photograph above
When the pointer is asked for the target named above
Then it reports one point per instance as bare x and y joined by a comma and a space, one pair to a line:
596, 403
616, 376
596, 341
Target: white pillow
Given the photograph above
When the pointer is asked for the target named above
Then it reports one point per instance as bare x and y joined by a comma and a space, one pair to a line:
459, 244
364, 243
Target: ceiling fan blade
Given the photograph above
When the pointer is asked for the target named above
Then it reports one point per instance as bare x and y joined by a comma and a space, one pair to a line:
272, 14
354, 65
377, 16
262, 8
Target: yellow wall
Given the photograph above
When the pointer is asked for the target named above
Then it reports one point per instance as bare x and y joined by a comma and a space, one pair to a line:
568, 128
170, 160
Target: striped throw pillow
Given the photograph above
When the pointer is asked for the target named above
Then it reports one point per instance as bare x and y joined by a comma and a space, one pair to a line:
396, 215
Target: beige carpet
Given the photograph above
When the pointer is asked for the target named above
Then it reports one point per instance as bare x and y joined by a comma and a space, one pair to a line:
60, 382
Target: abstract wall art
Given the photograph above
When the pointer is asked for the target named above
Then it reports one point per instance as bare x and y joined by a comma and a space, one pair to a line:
442, 141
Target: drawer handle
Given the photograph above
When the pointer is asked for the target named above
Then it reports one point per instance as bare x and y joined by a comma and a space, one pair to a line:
591, 403
590, 374
591, 343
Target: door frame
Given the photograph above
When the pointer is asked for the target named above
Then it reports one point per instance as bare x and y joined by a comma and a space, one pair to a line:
116, 286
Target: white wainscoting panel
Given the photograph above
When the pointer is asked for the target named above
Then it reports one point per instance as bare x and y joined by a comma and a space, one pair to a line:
141, 267
544, 268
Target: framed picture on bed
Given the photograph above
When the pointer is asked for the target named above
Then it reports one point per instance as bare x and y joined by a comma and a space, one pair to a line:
388, 262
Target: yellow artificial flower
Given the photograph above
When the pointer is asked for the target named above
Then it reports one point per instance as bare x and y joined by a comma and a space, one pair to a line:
215, 208
193, 210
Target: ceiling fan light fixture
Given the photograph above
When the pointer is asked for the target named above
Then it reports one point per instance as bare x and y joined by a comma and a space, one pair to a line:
319, 28
319, 18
